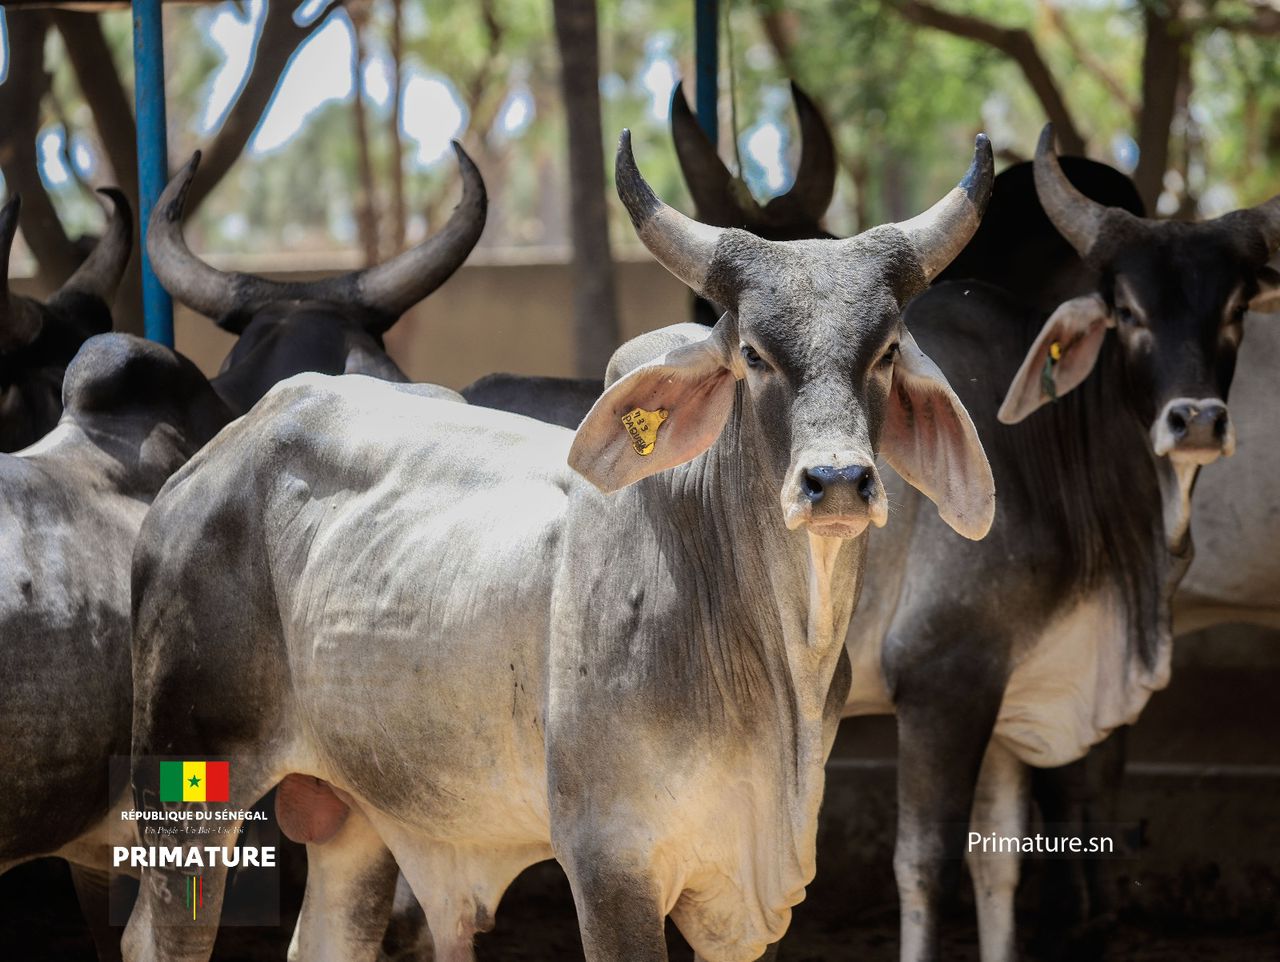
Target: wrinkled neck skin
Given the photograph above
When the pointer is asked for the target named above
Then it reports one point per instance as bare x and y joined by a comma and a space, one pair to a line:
130, 456
722, 661
786, 595
1118, 509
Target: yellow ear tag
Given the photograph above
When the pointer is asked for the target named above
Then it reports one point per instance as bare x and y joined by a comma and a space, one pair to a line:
1055, 350
642, 427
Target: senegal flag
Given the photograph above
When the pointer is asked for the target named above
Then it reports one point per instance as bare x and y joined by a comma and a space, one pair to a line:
194, 781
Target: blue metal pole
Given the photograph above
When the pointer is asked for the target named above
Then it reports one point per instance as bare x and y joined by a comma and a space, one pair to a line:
153, 153
706, 22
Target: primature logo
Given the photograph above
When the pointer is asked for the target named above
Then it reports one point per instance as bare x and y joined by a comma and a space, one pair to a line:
195, 781
193, 894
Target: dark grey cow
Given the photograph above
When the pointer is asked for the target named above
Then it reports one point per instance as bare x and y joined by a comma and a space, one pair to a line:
72, 506
720, 200
330, 326
38, 340
1032, 646
456, 651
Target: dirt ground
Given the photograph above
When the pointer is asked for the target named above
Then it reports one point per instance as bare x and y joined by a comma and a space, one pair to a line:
40, 922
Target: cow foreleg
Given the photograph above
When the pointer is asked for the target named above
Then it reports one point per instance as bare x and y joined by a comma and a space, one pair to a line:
999, 807
1078, 895
620, 916
945, 717
351, 881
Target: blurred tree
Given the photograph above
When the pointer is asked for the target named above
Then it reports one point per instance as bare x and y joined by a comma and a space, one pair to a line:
595, 310
1161, 110
367, 202
903, 100
25, 99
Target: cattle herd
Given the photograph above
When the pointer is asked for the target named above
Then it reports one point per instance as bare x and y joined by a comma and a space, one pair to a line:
616, 622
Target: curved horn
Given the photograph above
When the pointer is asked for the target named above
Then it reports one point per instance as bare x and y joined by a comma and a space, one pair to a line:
391, 288
386, 290
100, 274
1076, 217
682, 245
941, 232
184, 275
20, 322
816, 174
708, 179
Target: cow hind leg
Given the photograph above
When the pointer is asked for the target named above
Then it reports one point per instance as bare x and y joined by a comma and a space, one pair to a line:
159, 929
93, 890
351, 876
999, 807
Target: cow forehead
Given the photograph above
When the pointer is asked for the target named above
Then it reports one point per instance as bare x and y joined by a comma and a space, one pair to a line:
1183, 269
314, 328
815, 298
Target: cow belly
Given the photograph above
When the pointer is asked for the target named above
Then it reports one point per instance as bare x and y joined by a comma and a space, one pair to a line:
417, 650
1075, 684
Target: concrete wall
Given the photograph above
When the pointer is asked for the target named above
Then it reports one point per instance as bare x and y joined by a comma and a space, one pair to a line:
488, 317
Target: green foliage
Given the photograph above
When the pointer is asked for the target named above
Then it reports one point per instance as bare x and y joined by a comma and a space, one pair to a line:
904, 102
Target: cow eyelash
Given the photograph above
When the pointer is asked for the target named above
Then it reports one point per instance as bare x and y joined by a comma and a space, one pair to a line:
892, 353
752, 357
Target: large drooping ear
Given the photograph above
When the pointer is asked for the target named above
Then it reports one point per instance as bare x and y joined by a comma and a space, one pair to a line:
930, 440
1267, 300
665, 412
1062, 356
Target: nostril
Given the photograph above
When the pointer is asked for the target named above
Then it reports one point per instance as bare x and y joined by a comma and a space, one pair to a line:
867, 486
1220, 424
1178, 423
812, 486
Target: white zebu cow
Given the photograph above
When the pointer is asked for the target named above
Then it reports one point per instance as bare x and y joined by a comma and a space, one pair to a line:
455, 651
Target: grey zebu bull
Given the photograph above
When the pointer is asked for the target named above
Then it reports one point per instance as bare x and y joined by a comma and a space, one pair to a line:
37, 340
72, 506
331, 326
455, 651
720, 200
1035, 644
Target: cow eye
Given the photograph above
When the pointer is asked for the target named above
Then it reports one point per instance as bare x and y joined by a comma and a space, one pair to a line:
891, 354
1125, 315
1238, 312
753, 359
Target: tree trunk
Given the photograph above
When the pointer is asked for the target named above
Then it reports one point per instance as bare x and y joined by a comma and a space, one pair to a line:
366, 204
1163, 64
396, 241
1019, 46
595, 313
100, 85
278, 41
21, 95
102, 90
